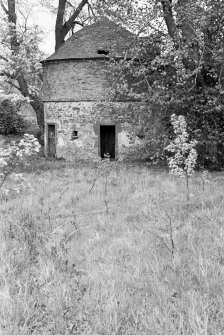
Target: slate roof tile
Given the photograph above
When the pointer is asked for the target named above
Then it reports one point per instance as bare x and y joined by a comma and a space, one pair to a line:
92, 41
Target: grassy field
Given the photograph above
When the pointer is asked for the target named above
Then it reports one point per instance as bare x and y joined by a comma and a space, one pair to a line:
114, 250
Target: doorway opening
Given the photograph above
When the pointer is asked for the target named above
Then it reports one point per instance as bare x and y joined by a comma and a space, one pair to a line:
107, 141
51, 140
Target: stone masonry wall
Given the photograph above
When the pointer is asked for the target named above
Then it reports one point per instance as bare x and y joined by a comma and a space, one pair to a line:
77, 96
86, 118
76, 81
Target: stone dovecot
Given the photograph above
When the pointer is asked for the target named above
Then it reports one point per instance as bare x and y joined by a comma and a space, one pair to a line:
82, 120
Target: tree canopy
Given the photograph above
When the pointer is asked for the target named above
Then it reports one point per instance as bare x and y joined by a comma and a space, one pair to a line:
20, 54
185, 75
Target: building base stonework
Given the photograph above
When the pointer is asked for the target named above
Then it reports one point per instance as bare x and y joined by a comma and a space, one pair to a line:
77, 128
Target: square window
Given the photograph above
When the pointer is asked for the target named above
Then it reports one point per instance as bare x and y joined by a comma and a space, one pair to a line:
74, 134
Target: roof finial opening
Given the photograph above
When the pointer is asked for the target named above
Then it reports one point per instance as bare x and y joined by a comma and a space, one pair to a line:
103, 52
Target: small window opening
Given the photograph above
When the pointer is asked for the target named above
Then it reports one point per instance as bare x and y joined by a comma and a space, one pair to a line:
74, 134
103, 52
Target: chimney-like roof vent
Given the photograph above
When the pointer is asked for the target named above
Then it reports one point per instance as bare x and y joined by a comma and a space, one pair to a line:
103, 52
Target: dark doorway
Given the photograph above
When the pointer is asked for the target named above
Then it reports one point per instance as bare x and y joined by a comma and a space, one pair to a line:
107, 141
51, 140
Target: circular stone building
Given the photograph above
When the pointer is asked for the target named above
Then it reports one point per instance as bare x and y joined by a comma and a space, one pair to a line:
84, 117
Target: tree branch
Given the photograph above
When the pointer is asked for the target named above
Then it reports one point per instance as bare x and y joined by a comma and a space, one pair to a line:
79, 23
90, 9
14, 85
3, 7
169, 18
4, 58
61, 30
68, 24
4, 179
12, 19
40, 76
69, 3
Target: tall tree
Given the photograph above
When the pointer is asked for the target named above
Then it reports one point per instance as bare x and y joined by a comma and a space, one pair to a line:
20, 58
63, 25
20, 55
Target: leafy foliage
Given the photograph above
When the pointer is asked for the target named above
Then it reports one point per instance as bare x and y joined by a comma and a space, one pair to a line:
20, 55
183, 160
184, 74
11, 121
205, 120
183, 153
11, 157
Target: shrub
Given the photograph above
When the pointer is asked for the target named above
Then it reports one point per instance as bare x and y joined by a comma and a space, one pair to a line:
184, 155
204, 114
11, 121
12, 157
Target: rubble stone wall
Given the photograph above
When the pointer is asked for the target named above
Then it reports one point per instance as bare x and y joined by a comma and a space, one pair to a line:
77, 97
86, 80
86, 118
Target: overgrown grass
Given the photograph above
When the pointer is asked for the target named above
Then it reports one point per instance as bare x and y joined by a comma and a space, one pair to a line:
121, 253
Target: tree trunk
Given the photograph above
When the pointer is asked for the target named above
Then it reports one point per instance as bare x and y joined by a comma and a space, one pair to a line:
169, 19
12, 27
38, 107
59, 34
62, 29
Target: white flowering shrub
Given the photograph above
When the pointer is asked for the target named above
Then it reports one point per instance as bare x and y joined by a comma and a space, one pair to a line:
183, 161
11, 157
183, 153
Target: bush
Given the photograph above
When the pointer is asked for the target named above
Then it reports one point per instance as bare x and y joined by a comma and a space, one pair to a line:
11, 121
204, 114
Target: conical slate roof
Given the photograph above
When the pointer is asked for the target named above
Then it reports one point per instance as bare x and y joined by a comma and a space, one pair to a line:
99, 40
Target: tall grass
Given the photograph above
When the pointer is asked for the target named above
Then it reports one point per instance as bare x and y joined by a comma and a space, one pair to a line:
120, 253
